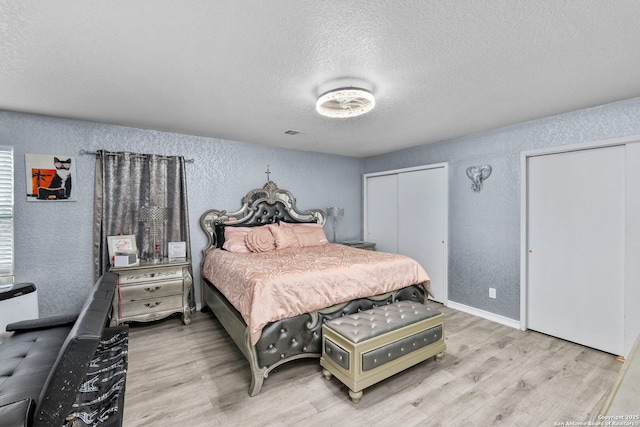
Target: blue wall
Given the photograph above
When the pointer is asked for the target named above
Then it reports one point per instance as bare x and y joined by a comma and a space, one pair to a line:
484, 227
53, 240
53, 244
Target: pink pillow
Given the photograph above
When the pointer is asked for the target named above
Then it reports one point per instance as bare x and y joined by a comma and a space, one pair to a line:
260, 239
310, 234
284, 236
234, 239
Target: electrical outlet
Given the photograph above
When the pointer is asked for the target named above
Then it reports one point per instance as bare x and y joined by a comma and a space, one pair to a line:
492, 293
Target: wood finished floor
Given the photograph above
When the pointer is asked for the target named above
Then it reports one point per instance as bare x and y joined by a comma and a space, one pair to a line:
491, 374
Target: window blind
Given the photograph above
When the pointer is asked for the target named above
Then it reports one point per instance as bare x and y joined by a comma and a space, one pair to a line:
6, 214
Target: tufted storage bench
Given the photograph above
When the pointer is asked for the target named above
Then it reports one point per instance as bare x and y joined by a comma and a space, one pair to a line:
364, 348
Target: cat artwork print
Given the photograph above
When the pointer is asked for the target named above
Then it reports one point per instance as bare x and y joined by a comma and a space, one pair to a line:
50, 177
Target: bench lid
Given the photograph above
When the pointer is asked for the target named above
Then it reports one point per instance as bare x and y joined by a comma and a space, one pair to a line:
358, 327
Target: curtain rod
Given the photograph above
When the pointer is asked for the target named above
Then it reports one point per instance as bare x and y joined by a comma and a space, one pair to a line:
142, 156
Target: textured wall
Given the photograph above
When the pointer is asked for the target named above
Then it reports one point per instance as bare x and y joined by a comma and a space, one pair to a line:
484, 227
54, 240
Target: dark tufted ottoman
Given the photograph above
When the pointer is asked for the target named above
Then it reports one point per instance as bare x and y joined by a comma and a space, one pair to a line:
364, 348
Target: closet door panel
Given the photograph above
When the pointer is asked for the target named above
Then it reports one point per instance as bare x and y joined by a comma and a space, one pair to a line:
576, 246
421, 223
381, 215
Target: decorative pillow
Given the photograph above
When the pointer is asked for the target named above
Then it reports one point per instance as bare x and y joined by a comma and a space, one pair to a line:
284, 235
234, 239
309, 234
260, 239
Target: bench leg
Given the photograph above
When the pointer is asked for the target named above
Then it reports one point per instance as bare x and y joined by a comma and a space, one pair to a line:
438, 357
327, 374
355, 395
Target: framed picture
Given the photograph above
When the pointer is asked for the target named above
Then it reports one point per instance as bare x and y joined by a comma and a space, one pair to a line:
124, 243
49, 177
177, 250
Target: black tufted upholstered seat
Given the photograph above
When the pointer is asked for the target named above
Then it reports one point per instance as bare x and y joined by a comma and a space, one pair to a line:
44, 361
26, 360
364, 348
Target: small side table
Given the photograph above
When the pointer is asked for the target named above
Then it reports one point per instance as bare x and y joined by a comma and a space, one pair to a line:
151, 291
369, 246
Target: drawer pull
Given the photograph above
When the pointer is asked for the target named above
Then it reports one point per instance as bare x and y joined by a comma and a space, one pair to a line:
151, 305
152, 289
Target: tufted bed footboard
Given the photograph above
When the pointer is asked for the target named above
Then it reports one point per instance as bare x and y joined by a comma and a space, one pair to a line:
292, 338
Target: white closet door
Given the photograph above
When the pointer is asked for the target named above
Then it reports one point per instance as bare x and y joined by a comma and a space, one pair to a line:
421, 223
576, 246
382, 212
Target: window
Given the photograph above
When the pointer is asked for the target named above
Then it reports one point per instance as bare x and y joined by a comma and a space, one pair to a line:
6, 215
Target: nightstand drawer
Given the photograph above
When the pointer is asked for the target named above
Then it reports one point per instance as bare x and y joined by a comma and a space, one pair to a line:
151, 290
151, 305
146, 275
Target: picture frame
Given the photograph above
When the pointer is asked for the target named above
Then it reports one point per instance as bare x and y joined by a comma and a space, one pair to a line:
49, 178
177, 250
122, 243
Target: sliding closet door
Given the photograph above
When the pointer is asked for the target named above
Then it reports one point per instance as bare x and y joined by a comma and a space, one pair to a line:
576, 246
421, 223
406, 213
381, 212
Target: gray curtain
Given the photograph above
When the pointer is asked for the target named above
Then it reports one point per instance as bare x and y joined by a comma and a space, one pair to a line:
127, 182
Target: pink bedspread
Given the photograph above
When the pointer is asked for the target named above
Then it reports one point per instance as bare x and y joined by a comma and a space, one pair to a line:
269, 286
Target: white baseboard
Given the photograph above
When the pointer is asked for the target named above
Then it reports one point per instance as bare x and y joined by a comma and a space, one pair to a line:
484, 314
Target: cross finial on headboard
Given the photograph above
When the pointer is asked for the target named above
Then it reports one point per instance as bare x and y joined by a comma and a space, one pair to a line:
268, 172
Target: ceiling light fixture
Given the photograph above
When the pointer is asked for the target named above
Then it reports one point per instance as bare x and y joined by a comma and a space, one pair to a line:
345, 102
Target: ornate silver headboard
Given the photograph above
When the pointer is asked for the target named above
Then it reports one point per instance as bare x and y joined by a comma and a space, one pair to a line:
260, 206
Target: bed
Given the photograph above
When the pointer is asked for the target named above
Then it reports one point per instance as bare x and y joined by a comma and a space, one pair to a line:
272, 279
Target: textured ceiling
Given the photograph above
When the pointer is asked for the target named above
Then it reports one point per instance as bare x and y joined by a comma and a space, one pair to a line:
251, 70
